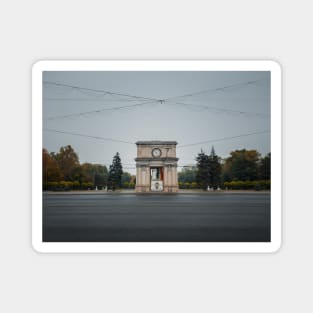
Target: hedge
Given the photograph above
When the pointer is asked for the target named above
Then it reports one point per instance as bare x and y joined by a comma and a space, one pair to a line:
67, 185
187, 185
128, 185
70, 185
246, 185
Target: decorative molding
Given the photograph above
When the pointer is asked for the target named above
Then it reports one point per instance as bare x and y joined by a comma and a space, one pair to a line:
164, 159
156, 142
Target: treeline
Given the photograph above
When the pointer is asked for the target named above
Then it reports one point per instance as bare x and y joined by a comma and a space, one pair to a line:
243, 169
63, 171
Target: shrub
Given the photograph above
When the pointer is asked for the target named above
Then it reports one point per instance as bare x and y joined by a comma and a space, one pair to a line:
76, 185
87, 185
51, 185
131, 185
66, 185
194, 185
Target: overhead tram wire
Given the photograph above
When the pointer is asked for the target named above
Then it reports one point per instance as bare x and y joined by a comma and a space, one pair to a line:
87, 136
146, 98
96, 90
90, 99
224, 138
133, 143
209, 108
251, 82
97, 111
223, 110
153, 99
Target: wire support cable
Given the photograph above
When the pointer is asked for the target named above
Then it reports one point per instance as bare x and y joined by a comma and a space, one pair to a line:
224, 138
87, 136
98, 111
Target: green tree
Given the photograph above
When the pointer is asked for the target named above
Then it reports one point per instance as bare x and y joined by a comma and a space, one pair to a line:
203, 172
265, 167
215, 170
101, 179
96, 173
187, 175
126, 179
77, 174
241, 165
115, 173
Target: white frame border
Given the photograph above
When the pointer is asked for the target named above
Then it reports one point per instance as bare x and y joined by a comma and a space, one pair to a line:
156, 247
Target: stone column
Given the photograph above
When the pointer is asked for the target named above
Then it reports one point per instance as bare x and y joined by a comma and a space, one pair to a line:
142, 178
147, 178
165, 179
138, 179
174, 175
170, 176
138, 175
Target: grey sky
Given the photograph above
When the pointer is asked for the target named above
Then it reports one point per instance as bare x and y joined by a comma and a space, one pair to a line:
186, 124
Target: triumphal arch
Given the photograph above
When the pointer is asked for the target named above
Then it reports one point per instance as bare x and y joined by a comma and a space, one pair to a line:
156, 165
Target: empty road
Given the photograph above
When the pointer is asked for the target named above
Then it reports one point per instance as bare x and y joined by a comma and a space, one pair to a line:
214, 217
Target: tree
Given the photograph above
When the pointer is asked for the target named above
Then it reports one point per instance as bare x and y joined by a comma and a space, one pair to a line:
187, 175
203, 172
96, 173
241, 165
50, 169
101, 179
208, 170
265, 167
126, 178
67, 160
115, 173
77, 174
215, 170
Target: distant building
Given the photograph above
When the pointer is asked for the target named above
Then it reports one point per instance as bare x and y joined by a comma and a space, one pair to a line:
156, 165
189, 167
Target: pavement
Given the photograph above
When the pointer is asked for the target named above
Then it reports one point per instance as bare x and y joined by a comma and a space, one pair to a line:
132, 192
205, 217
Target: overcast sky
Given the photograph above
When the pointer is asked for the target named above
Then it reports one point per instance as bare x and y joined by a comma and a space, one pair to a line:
242, 107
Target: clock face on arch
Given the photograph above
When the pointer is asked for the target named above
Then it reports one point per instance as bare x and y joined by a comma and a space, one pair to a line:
156, 152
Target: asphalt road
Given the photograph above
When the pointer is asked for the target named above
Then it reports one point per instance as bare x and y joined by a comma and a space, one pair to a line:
156, 218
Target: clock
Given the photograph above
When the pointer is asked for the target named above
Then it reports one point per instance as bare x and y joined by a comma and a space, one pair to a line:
156, 152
